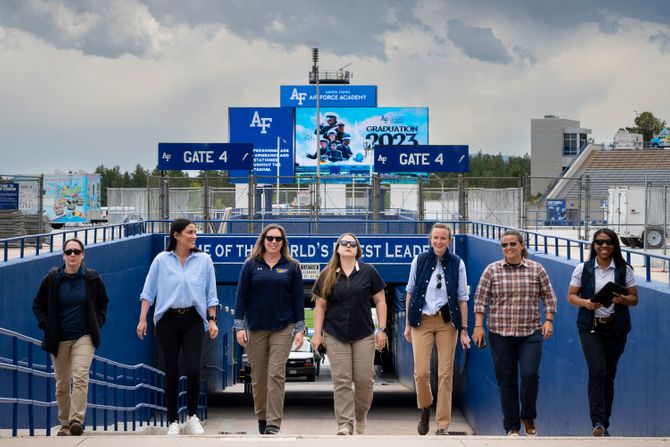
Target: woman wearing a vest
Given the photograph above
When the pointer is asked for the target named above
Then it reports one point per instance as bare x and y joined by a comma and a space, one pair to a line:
602, 330
511, 289
437, 314
343, 295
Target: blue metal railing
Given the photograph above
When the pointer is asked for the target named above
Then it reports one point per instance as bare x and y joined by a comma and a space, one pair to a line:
563, 247
118, 393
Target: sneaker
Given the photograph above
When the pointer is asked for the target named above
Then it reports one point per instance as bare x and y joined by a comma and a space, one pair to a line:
271, 430
360, 427
344, 430
529, 425
441, 432
194, 426
424, 422
64, 431
174, 429
76, 429
598, 430
262, 423
513, 432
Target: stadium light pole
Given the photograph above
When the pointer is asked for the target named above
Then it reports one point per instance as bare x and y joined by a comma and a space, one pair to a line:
315, 70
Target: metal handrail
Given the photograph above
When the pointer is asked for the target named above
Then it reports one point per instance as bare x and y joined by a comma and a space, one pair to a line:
123, 386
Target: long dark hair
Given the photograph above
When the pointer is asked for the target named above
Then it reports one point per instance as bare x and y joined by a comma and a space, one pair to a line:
617, 256
177, 227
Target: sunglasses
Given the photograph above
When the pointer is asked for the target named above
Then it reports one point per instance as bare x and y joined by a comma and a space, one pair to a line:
439, 281
601, 242
351, 244
509, 244
72, 251
274, 238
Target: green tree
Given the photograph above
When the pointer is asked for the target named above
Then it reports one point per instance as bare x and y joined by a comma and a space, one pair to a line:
648, 125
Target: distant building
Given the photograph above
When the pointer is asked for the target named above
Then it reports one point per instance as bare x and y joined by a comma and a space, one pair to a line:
554, 144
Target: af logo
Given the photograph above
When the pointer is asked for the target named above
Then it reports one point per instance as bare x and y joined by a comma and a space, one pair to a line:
382, 159
300, 97
263, 123
166, 156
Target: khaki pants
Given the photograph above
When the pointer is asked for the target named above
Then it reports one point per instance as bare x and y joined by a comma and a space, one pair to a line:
71, 367
268, 352
433, 330
351, 363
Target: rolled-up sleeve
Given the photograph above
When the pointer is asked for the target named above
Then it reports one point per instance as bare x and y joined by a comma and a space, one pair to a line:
212, 299
150, 289
547, 292
462, 283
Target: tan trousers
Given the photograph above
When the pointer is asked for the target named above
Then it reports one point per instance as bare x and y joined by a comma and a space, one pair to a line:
433, 330
351, 363
71, 367
268, 352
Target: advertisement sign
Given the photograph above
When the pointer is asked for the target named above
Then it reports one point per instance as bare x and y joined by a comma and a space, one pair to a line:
204, 156
329, 95
270, 130
311, 250
9, 196
70, 198
556, 212
434, 158
349, 135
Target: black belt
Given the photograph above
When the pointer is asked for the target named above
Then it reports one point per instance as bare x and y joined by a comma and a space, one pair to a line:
602, 321
180, 310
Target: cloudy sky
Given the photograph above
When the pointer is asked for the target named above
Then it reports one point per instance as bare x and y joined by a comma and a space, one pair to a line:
91, 82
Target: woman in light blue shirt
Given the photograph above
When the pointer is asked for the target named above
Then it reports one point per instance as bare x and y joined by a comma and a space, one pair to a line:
182, 282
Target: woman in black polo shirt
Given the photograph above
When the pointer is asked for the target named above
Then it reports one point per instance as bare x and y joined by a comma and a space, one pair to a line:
343, 294
269, 318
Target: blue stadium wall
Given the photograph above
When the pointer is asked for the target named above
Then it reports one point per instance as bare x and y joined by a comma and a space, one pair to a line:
642, 395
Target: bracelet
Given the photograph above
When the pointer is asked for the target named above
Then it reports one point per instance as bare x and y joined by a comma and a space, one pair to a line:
479, 326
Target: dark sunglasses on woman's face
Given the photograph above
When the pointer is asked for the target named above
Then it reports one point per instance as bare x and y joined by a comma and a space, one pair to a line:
510, 244
600, 242
351, 244
72, 251
274, 238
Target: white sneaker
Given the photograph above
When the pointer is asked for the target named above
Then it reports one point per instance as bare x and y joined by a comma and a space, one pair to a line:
194, 426
344, 430
174, 429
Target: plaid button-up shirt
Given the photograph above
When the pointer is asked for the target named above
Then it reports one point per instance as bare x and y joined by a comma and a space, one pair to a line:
512, 294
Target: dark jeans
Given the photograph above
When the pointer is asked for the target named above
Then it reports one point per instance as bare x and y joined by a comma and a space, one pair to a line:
184, 332
602, 350
511, 354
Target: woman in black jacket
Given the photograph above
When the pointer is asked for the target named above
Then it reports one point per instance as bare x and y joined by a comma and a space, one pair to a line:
602, 330
71, 307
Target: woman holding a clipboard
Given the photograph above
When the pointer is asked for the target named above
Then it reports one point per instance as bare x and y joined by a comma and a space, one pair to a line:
603, 288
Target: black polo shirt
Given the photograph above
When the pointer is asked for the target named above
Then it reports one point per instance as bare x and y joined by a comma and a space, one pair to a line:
349, 308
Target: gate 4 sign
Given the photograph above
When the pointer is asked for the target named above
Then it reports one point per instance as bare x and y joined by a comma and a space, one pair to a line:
421, 158
204, 156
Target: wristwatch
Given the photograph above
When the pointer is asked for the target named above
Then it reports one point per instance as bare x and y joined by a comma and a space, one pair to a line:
381, 329
464, 328
211, 318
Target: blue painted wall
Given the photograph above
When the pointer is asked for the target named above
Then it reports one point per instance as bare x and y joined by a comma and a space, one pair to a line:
641, 389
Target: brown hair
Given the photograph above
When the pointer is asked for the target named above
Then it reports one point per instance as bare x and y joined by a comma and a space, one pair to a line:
81, 244
442, 226
524, 252
259, 248
328, 276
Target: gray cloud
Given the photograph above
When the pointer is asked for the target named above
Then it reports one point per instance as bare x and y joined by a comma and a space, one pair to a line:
524, 55
663, 41
478, 43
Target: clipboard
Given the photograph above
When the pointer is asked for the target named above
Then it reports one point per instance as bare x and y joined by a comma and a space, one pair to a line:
605, 295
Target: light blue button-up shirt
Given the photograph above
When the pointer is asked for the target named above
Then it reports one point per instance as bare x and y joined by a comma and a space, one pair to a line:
172, 286
436, 298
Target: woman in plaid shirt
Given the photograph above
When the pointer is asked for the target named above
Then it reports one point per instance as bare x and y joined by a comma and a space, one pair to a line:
511, 289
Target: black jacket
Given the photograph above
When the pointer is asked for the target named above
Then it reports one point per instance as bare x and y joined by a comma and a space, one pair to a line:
45, 308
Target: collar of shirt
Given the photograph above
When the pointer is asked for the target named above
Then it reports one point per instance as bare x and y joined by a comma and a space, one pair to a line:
356, 267
193, 253
523, 263
612, 266
62, 272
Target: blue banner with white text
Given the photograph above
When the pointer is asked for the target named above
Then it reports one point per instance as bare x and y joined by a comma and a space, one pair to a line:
329, 96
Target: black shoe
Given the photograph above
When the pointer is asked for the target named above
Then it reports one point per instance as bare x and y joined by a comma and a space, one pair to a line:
598, 430
607, 434
76, 429
262, 423
271, 430
424, 422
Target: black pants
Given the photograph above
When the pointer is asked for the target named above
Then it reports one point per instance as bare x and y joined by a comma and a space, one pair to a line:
602, 350
175, 332
512, 355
